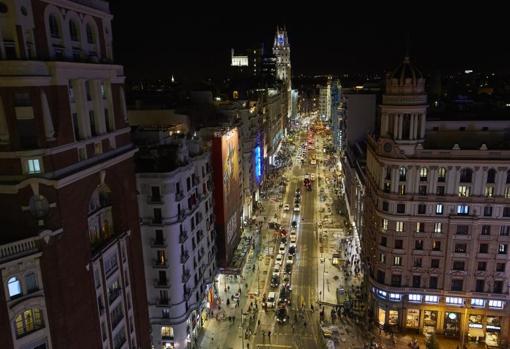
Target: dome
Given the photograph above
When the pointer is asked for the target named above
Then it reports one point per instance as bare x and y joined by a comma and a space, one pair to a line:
405, 71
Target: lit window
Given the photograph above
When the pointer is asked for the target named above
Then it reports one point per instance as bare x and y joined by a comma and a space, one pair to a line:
415, 298
454, 300
382, 257
33, 166
381, 293
439, 208
397, 260
475, 302
507, 192
496, 304
438, 227
28, 321
489, 191
399, 226
395, 296
385, 224
14, 287
431, 299
423, 174
463, 209
464, 190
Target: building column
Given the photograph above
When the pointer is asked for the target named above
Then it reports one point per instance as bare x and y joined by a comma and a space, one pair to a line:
411, 131
81, 108
4, 127
49, 131
395, 126
422, 133
400, 124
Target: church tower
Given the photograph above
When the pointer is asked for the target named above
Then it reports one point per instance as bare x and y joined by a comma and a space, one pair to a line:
404, 107
281, 50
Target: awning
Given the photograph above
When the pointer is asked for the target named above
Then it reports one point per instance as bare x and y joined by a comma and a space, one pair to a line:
476, 332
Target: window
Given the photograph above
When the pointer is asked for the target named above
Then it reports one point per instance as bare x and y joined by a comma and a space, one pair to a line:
462, 229
423, 174
436, 245
498, 286
458, 265
401, 208
439, 208
441, 174
156, 194
396, 280
33, 166
463, 209
415, 298
506, 211
28, 321
422, 190
167, 333
487, 211
416, 281
438, 227
92, 120
165, 313
402, 173
397, 260
496, 304
398, 244
434, 263
504, 230
464, 190
455, 300
54, 27
418, 245
31, 282
402, 189
90, 34
385, 206
381, 293
478, 303
466, 175
381, 276
507, 193
422, 208
484, 248
388, 173
489, 191
460, 248
417, 262
395, 296
482, 266
457, 284
14, 287
507, 177
486, 230
433, 282
500, 267
383, 241
431, 299
399, 226
382, 258
440, 190
157, 216
502, 249
387, 187
73, 31
384, 224
491, 176
420, 227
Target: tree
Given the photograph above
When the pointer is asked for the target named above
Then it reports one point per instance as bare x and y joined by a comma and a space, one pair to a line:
432, 342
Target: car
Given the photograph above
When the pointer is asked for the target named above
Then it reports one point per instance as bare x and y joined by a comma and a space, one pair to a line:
285, 295
307, 176
312, 176
292, 250
281, 315
297, 201
276, 269
293, 239
288, 268
313, 162
275, 280
290, 260
297, 208
271, 299
286, 207
282, 249
278, 259
283, 240
298, 191
294, 224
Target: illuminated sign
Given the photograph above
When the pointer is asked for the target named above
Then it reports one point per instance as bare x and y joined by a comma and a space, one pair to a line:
281, 39
476, 326
490, 327
258, 164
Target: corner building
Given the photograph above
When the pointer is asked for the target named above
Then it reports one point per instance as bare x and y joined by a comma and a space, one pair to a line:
71, 262
437, 217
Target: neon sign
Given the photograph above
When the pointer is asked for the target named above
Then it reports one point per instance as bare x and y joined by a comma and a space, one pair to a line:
258, 163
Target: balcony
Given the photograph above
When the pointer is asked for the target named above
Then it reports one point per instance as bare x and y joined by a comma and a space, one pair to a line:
113, 294
158, 263
187, 293
179, 196
155, 200
184, 257
163, 301
185, 276
183, 236
161, 283
158, 243
19, 248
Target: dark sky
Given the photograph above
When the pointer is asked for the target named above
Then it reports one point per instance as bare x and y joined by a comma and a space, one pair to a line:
193, 41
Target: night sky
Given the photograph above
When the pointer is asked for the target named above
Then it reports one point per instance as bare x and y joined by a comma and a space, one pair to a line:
193, 41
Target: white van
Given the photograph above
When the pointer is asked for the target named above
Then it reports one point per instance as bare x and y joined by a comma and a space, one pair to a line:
271, 298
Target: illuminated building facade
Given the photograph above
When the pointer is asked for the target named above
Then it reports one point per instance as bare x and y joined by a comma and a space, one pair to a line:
70, 248
174, 186
437, 217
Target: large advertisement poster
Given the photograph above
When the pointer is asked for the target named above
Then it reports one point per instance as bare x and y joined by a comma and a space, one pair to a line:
231, 183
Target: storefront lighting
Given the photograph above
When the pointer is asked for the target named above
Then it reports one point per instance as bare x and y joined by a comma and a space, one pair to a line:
431, 299
395, 296
476, 302
454, 300
381, 293
496, 304
415, 298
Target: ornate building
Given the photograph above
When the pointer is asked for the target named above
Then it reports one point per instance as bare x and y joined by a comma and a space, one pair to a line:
437, 217
70, 252
281, 50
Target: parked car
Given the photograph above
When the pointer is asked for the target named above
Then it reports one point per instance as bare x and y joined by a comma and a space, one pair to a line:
278, 259
297, 208
271, 299
292, 250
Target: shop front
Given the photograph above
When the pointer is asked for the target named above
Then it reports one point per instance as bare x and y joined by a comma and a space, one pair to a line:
429, 321
452, 324
413, 318
475, 328
493, 330
387, 316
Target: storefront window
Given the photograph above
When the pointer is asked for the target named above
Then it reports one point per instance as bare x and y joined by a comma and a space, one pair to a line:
393, 317
413, 318
381, 316
451, 324
493, 329
429, 321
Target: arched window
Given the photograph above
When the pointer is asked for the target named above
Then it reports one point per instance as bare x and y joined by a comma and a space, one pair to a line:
491, 176
91, 35
167, 333
100, 217
28, 321
402, 172
466, 175
73, 31
14, 287
508, 177
31, 282
54, 26
423, 173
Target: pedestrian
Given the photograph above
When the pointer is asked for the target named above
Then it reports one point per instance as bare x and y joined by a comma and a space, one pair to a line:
269, 334
258, 323
304, 324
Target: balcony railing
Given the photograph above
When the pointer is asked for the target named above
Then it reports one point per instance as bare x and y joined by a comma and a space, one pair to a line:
155, 200
179, 196
158, 243
18, 248
163, 301
161, 283
183, 236
113, 295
